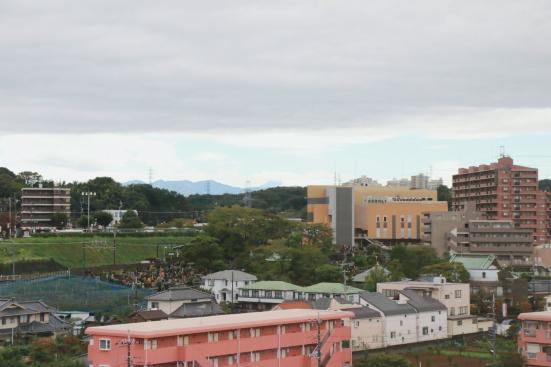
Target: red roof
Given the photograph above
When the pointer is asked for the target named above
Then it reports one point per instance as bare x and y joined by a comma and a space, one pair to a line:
294, 305
535, 316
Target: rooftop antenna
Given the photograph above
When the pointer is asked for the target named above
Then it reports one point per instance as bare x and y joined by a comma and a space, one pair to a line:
501, 151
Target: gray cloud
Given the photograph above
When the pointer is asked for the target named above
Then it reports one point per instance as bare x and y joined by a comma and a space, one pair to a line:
144, 66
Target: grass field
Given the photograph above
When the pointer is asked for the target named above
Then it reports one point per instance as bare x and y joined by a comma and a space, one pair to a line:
74, 251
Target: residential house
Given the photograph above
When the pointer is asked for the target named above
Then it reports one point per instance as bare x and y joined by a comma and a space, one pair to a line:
225, 284
331, 290
399, 319
181, 302
455, 296
264, 295
432, 320
274, 338
30, 318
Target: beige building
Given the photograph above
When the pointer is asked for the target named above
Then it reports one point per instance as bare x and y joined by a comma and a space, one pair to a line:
358, 213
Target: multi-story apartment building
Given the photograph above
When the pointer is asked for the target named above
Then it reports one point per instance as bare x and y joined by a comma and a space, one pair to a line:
505, 191
455, 296
260, 339
38, 205
361, 213
534, 337
264, 295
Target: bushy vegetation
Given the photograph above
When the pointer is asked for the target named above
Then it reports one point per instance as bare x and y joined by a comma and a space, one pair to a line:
63, 351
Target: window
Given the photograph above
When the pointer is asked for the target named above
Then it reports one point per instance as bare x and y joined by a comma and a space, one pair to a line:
425, 330
356, 324
433, 318
278, 294
452, 311
392, 335
105, 344
232, 334
458, 293
459, 322
484, 275
150, 344
3, 321
182, 340
255, 332
401, 323
213, 337
447, 296
42, 317
154, 305
255, 356
463, 310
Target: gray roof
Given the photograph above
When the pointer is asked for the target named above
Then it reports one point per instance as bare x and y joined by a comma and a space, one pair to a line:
236, 275
197, 310
385, 305
422, 303
179, 294
360, 277
363, 312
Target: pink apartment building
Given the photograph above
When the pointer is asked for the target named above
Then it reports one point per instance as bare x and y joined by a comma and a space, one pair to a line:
285, 338
534, 339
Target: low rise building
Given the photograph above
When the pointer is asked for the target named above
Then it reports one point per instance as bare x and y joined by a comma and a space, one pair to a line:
534, 338
225, 284
286, 338
39, 205
182, 302
362, 276
147, 316
455, 296
31, 318
264, 295
331, 290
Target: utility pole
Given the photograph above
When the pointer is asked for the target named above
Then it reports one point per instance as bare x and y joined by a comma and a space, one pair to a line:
318, 322
493, 332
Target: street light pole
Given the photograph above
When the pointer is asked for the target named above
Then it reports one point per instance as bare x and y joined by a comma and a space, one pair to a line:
88, 194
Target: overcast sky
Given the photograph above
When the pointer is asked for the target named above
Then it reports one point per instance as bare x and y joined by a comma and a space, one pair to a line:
272, 90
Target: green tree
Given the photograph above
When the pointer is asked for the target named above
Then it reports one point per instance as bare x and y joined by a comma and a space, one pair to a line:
130, 220
545, 185
83, 221
59, 220
384, 360
376, 275
444, 194
205, 252
328, 273
413, 258
454, 272
238, 228
103, 218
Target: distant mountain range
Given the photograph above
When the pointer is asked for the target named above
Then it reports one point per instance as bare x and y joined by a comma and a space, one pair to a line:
187, 188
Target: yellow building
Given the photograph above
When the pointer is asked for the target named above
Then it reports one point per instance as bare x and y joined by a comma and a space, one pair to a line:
356, 213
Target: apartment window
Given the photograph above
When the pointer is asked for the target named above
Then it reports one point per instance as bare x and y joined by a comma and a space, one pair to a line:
452, 311
463, 310
255, 293
214, 361
213, 337
433, 318
459, 322
278, 294
105, 344
447, 296
268, 294
392, 335
255, 332
458, 293
150, 344
356, 324
232, 334
255, 356
182, 340
282, 329
425, 330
